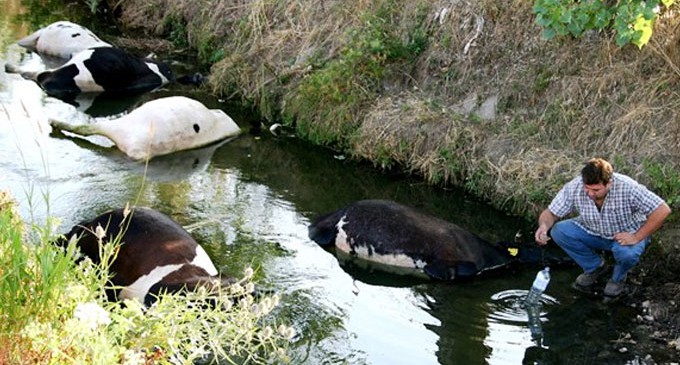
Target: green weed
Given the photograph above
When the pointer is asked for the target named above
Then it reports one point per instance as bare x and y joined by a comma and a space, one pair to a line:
54, 311
665, 181
177, 30
337, 92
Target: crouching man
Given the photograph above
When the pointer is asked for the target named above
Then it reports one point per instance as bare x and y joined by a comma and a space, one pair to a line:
614, 213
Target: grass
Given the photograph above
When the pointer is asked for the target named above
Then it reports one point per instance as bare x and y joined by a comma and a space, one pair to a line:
54, 311
666, 181
346, 85
342, 72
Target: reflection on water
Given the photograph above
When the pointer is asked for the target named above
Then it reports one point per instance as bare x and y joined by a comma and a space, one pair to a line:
249, 201
508, 315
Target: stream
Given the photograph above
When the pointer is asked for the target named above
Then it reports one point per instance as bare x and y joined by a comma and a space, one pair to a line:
249, 201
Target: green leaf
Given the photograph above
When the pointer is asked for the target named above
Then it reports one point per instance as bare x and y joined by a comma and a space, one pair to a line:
543, 21
549, 33
538, 8
643, 31
602, 19
565, 18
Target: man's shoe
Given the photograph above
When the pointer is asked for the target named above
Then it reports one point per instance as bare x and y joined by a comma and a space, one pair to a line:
614, 288
587, 280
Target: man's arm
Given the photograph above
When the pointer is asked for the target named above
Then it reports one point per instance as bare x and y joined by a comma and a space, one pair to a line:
545, 221
653, 223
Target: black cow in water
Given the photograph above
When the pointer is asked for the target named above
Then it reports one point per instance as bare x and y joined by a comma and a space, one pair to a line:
91, 66
102, 69
395, 235
156, 254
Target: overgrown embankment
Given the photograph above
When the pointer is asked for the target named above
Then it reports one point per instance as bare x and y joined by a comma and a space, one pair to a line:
460, 92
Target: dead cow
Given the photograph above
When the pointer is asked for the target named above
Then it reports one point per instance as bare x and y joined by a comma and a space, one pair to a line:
156, 254
62, 40
160, 127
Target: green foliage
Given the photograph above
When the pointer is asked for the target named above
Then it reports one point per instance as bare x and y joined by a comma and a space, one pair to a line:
92, 5
631, 20
208, 52
665, 181
338, 90
176, 28
39, 13
55, 311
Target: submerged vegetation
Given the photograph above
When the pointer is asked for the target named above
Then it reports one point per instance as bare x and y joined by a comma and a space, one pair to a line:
54, 311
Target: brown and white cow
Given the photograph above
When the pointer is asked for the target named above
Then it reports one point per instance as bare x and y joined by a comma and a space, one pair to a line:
156, 254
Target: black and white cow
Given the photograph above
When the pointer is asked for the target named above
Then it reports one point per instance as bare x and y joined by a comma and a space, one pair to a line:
61, 39
160, 127
156, 254
395, 235
103, 69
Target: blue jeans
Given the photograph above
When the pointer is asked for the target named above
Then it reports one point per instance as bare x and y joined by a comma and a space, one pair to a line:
581, 246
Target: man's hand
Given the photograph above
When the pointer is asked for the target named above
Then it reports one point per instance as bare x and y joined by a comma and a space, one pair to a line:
545, 220
626, 239
541, 236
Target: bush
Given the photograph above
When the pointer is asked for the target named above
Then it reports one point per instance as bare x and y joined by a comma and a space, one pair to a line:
631, 20
54, 311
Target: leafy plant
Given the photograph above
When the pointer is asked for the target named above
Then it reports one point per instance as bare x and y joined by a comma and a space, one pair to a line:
55, 311
92, 5
176, 30
631, 20
666, 181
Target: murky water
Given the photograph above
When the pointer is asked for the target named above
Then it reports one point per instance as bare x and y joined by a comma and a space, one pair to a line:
249, 201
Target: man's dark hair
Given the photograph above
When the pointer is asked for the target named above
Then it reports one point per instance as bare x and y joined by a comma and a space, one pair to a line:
597, 171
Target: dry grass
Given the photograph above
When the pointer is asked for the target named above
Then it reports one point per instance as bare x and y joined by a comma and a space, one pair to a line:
560, 102
405, 130
280, 41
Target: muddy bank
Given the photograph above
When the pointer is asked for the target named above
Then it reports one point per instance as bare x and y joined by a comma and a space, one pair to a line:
459, 92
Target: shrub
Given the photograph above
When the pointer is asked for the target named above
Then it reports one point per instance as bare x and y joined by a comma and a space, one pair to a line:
631, 20
54, 311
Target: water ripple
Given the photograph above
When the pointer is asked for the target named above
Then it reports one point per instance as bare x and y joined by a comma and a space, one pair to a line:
508, 306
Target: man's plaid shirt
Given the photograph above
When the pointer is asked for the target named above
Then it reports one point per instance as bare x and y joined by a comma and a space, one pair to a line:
625, 208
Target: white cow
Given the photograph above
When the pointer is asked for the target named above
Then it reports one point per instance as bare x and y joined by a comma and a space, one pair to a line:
61, 39
160, 127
